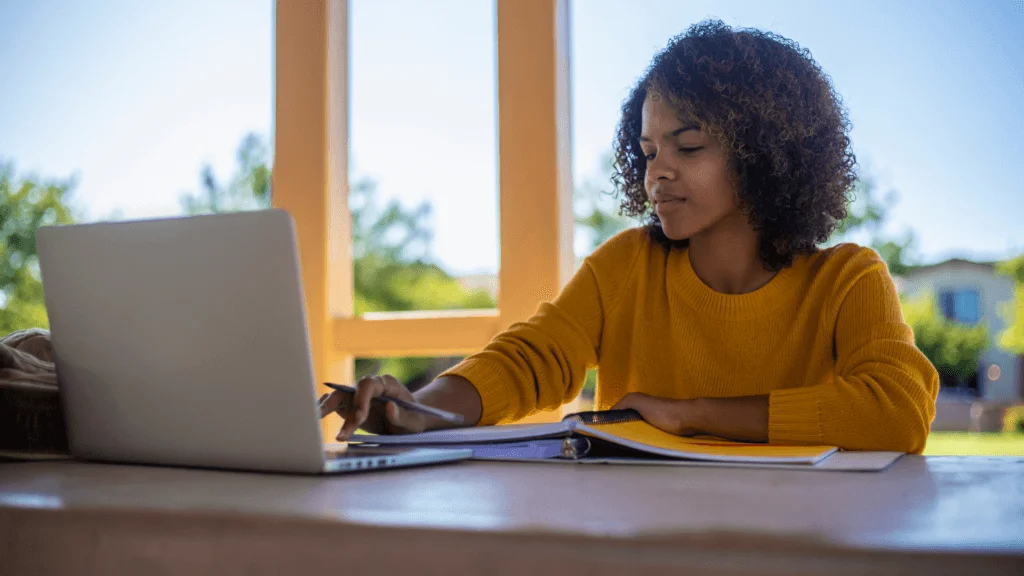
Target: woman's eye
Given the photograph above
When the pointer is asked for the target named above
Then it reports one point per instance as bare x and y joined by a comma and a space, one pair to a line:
649, 157
690, 150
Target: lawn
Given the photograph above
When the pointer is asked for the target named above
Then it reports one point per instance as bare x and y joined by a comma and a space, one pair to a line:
974, 444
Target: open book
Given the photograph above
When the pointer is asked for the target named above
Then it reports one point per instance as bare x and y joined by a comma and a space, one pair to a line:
614, 433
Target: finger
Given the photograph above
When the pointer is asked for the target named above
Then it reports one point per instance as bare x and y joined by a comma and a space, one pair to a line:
394, 388
391, 411
399, 420
366, 390
331, 402
357, 412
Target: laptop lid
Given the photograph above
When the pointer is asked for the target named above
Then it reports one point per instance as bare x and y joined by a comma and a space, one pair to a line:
183, 341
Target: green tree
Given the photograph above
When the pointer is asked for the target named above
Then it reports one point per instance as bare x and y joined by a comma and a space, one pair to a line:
390, 245
26, 203
866, 217
248, 188
596, 208
1012, 338
953, 348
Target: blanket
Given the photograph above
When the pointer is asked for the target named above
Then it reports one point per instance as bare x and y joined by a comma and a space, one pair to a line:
31, 420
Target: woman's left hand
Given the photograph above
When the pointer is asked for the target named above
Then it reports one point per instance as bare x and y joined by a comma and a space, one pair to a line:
673, 416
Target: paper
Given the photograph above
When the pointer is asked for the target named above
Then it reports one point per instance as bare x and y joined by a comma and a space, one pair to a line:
473, 435
640, 435
631, 433
838, 462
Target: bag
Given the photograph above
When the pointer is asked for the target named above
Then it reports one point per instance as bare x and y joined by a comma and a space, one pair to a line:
31, 419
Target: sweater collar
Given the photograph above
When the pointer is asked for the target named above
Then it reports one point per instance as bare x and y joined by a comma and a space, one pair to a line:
688, 287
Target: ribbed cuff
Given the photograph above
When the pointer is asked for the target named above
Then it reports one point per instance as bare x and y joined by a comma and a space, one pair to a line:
490, 384
794, 416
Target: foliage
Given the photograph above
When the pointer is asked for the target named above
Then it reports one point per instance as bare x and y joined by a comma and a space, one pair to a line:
248, 189
26, 204
1012, 338
953, 348
974, 444
390, 248
596, 210
866, 217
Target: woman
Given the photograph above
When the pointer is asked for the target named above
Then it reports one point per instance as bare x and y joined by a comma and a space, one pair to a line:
722, 316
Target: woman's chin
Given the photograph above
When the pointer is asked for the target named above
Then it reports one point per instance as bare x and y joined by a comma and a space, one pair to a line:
675, 233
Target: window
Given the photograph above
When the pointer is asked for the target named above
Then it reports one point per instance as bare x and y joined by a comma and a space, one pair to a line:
311, 181
960, 305
422, 154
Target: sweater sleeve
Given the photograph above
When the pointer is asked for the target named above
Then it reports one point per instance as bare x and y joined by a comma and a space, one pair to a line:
880, 395
542, 363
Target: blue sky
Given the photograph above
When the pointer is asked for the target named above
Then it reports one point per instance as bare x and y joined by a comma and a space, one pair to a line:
133, 97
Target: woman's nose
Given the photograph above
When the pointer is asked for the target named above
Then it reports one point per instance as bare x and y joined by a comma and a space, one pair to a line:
658, 169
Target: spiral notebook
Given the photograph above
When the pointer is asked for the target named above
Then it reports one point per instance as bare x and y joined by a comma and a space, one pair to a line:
606, 436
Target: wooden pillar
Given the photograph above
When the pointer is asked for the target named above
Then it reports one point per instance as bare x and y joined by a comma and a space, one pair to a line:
311, 163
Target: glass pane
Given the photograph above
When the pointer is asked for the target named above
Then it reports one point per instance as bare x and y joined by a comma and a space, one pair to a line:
423, 154
922, 199
123, 109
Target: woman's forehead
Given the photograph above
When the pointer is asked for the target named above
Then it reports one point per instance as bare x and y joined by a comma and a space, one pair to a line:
665, 109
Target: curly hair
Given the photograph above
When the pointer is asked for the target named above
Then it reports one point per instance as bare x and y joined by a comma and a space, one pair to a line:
777, 116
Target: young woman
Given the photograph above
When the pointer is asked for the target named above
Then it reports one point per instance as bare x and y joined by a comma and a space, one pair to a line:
722, 315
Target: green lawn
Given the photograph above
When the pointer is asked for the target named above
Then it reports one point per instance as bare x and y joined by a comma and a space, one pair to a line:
974, 444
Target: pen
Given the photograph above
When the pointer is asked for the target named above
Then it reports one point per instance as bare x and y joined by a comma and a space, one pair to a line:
449, 417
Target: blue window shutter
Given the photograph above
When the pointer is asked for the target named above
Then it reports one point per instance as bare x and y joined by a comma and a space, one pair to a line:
947, 304
968, 306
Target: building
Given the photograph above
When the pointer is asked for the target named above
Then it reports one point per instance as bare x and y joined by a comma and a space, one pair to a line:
974, 292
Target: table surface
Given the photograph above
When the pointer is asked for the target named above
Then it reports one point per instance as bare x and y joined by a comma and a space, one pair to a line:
919, 504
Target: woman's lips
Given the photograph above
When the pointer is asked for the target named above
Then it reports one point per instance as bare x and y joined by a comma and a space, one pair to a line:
670, 203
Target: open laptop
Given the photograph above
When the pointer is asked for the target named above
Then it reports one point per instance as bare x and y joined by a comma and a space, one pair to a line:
183, 341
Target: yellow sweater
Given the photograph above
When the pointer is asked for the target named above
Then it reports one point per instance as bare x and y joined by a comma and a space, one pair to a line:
825, 339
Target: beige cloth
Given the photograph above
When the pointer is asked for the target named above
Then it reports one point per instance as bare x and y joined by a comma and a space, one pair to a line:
26, 360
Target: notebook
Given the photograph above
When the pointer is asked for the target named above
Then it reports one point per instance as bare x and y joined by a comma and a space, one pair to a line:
607, 436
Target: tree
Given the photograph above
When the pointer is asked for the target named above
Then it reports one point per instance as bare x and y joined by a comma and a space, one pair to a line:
866, 217
953, 348
248, 189
1012, 338
596, 209
26, 204
393, 270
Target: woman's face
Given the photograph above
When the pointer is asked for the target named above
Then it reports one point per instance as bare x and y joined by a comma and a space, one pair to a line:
687, 180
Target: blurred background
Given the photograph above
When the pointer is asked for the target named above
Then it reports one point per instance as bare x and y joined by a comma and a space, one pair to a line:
117, 109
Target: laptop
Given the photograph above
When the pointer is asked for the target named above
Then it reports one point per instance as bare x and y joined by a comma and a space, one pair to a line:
183, 341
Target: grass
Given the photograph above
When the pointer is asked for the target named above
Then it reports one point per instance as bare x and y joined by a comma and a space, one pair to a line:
975, 444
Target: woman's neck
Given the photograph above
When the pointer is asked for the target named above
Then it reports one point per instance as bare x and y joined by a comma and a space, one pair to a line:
727, 261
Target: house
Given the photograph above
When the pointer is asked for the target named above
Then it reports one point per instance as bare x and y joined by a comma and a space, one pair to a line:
974, 292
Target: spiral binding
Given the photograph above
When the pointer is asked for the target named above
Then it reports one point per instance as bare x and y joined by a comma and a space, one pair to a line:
604, 416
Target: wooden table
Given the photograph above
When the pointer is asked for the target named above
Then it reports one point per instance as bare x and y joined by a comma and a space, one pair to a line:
923, 515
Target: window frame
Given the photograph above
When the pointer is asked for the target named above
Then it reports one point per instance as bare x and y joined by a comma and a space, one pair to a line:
310, 181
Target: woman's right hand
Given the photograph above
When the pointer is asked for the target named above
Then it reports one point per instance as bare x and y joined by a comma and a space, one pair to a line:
375, 417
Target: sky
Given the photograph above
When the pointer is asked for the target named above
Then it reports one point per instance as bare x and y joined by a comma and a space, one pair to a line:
132, 98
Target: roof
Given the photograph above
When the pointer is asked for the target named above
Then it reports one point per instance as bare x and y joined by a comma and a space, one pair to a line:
952, 262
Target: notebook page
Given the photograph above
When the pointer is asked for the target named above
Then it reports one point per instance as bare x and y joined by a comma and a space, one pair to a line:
640, 435
472, 435
838, 462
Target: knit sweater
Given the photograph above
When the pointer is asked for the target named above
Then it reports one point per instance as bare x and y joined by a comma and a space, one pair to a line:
825, 339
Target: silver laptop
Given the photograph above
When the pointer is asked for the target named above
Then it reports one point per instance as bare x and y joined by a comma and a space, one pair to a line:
183, 341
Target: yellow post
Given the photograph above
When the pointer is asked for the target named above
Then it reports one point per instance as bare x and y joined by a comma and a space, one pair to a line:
310, 160
535, 169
